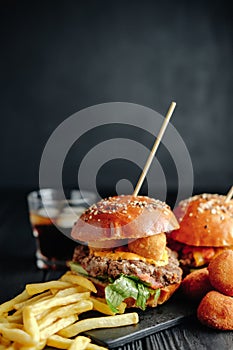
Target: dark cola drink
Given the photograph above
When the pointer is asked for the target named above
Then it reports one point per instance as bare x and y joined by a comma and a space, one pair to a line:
52, 231
52, 216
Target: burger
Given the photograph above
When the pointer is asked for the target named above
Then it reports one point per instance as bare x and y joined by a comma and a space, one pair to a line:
206, 229
124, 251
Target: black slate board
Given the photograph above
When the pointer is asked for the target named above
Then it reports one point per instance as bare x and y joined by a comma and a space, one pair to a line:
172, 313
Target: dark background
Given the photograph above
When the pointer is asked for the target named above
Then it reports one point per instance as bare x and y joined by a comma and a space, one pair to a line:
60, 57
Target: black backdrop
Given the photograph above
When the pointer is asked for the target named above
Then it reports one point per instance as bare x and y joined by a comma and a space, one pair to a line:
59, 57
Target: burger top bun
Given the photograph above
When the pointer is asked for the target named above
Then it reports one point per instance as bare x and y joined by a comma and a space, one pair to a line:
205, 220
124, 217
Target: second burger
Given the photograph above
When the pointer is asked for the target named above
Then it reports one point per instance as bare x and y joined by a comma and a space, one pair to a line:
206, 229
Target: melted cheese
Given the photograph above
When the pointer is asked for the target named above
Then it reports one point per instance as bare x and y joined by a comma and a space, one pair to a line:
203, 256
124, 255
199, 259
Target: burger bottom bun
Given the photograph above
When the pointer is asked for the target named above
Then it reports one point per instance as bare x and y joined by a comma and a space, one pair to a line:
149, 247
221, 272
216, 311
166, 292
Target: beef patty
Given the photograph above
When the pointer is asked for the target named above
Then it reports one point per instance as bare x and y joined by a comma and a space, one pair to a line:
156, 276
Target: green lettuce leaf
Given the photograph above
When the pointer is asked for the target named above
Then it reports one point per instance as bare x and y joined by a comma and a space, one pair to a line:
119, 290
126, 287
143, 295
156, 293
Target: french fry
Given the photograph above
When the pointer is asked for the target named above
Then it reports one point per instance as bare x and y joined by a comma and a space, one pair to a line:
79, 343
9, 305
4, 341
17, 335
79, 280
3, 347
58, 301
48, 297
101, 306
11, 347
59, 342
12, 325
57, 326
42, 314
121, 308
3, 319
35, 288
30, 324
15, 318
39, 346
54, 291
83, 306
77, 308
70, 291
99, 322
47, 313
32, 300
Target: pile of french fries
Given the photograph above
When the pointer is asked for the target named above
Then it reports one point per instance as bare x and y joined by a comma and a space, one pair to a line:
48, 314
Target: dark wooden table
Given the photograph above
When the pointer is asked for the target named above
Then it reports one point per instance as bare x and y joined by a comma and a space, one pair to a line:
17, 267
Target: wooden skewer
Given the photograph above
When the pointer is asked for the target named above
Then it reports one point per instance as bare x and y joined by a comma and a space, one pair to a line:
229, 195
154, 148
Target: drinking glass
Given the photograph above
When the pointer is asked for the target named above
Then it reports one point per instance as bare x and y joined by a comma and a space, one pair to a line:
52, 216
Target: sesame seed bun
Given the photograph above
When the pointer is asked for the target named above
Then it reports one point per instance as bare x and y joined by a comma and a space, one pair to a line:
205, 220
124, 217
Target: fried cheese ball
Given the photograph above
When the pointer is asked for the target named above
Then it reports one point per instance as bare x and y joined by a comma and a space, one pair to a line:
216, 311
151, 247
196, 284
221, 272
